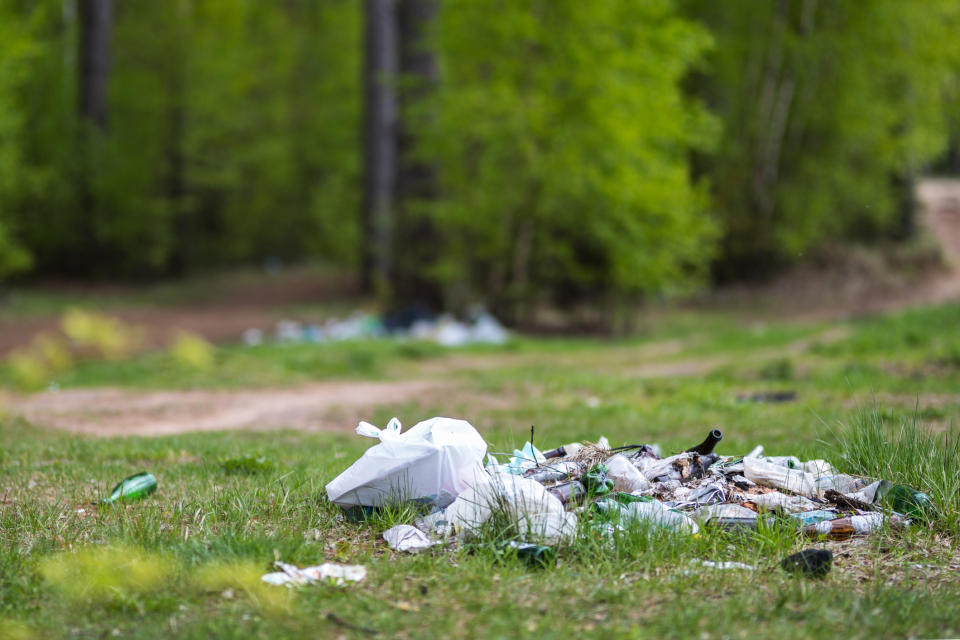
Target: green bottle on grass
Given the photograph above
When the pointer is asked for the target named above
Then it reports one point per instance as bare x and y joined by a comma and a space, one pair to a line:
905, 500
135, 487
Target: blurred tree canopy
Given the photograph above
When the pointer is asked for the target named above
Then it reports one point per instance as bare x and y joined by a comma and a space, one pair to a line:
559, 150
232, 135
562, 139
830, 110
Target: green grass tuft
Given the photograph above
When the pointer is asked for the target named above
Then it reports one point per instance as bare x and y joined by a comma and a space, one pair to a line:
905, 452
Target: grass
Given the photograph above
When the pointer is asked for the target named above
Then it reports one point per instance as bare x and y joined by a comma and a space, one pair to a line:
906, 453
186, 561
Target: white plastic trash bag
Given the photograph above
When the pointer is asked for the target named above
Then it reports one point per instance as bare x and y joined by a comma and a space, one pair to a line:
432, 462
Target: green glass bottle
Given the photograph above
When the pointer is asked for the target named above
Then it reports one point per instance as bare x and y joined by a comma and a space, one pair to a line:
596, 480
535, 555
907, 501
626, 498
135, 487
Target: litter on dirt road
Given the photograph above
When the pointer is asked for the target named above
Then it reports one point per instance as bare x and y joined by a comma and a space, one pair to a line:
444, 330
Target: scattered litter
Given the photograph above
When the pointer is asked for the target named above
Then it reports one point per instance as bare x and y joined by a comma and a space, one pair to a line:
807, 518
435, 523
523, 460
625, 475
536, 555
524, 502
770, 474
706, 447
659, 514
135, 487
844, 528
405, 537
432, 462
905, 500
291, 575
727, 565
756, 452
444, 330
728, 516
540, 499
776, 501
811, 562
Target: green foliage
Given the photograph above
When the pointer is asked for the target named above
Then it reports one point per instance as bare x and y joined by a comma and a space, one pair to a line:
17, 48
561, 137
829, 110
233, 135
561, 133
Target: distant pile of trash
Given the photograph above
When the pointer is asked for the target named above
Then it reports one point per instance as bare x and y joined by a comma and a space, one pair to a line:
445, 330
597, 490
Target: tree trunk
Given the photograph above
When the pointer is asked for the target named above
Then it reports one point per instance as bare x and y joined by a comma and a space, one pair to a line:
380, 143
95, 17
416, 180
95, 23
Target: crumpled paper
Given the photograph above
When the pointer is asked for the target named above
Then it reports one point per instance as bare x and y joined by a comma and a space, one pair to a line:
405, 537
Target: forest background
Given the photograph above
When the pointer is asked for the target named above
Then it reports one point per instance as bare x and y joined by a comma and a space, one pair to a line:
515, 153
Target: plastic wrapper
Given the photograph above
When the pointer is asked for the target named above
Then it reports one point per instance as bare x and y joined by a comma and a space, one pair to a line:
779, 477
776, 501
626, 477
405, 537
659, 514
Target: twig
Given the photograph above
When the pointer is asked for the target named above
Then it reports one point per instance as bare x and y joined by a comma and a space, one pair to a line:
841, 500
337, 620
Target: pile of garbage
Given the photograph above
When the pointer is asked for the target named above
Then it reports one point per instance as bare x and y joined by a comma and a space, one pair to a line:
549, 497
444, 330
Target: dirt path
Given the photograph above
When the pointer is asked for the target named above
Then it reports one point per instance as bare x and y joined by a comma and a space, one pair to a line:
337, 406
314, 407
863, 282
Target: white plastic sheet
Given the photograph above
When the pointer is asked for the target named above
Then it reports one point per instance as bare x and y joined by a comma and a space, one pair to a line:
432, 462
291, 575
525, 502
